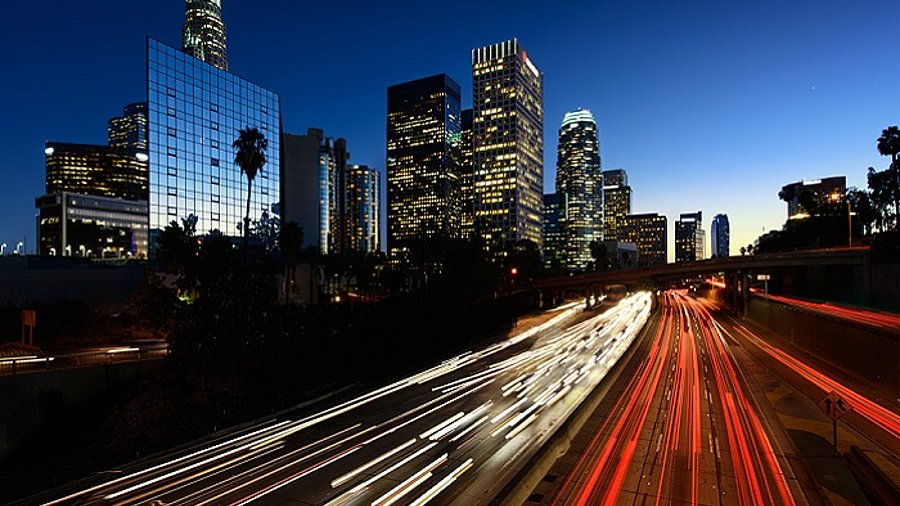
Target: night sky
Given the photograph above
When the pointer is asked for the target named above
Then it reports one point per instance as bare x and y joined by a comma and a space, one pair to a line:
709, 105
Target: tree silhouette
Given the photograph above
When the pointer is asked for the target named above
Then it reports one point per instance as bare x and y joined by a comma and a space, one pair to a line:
290, 239
887, 182
250, 156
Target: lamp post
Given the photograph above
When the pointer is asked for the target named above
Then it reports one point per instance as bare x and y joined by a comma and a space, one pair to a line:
849, 226
2, 248
18, 247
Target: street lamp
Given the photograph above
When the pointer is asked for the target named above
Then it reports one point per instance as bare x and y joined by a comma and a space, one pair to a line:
81, 249
2, 249
18, 246
68, 250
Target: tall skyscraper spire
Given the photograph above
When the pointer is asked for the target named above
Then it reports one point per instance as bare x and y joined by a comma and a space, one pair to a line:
203, 32
578, 177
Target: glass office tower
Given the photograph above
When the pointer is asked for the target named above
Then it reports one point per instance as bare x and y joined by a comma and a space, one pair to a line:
195, 111
130, 129
578, 177
203, 32
719, 232
466, 183
690, 238
363, 208
554, 236
423, 134
649, 232
616, 204
508, 129
96, 170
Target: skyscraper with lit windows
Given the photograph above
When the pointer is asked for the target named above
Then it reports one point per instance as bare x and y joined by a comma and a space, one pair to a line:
649, 231
554, 232
616, 203
579, 178
195, 112
507, 128
466, 182
203, 32
423, 136
130, 129
363, 209
719, 236
690, 238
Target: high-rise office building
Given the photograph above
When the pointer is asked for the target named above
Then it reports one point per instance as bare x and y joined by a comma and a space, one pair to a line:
363, 208
102, 171
203, 32
337, 204
507, 127
466, 175
579, 178
719, 235
649, 232
554, 232
690, 238
195, 112
616, 203
130, 129
819, 191
71, 224
423, 136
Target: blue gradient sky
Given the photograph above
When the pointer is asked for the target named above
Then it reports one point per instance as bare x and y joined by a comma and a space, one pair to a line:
709, 105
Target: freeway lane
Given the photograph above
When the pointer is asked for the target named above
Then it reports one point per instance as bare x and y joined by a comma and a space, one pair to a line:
457, 431
880, 422
682, 430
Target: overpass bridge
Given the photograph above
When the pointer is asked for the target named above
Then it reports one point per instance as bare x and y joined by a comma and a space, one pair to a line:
848, 262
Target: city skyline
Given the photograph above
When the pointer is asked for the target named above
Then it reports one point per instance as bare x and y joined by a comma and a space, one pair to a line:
806, 103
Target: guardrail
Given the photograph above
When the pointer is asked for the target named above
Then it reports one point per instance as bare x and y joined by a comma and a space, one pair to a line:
10, 366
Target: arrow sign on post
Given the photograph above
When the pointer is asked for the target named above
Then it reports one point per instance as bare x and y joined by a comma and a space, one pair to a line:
835, 407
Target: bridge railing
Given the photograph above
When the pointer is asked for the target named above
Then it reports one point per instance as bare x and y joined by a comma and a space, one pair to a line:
11, 366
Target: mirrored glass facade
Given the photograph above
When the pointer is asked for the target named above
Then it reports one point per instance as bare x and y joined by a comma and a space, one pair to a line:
719, 233
195, 111
363, 211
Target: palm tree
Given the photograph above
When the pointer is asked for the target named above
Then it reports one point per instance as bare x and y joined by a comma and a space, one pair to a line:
250, 156
889, 142
889, 145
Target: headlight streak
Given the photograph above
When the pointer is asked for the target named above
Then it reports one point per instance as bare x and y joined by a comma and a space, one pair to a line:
395, 494
533, 380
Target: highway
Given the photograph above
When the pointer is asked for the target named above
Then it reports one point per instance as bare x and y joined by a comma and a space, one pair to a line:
886, 321
453, 434
683, 429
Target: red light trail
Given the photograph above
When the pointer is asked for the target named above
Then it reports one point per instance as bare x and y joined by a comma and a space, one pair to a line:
686, 391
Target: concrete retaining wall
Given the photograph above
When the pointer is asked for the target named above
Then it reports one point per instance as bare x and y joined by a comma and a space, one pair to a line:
867, 353
29, 399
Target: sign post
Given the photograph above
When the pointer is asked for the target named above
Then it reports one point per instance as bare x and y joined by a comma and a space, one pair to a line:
835, 407
29, 321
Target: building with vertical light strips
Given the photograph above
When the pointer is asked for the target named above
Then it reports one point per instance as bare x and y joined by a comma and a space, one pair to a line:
363, 209
616, 203
466, 183
203, 32
690, 238
649, 232
579, 179
423, 180
507, 128
719, 236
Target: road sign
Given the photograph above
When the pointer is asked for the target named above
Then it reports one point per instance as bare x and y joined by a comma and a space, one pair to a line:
834, 406
763, 277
